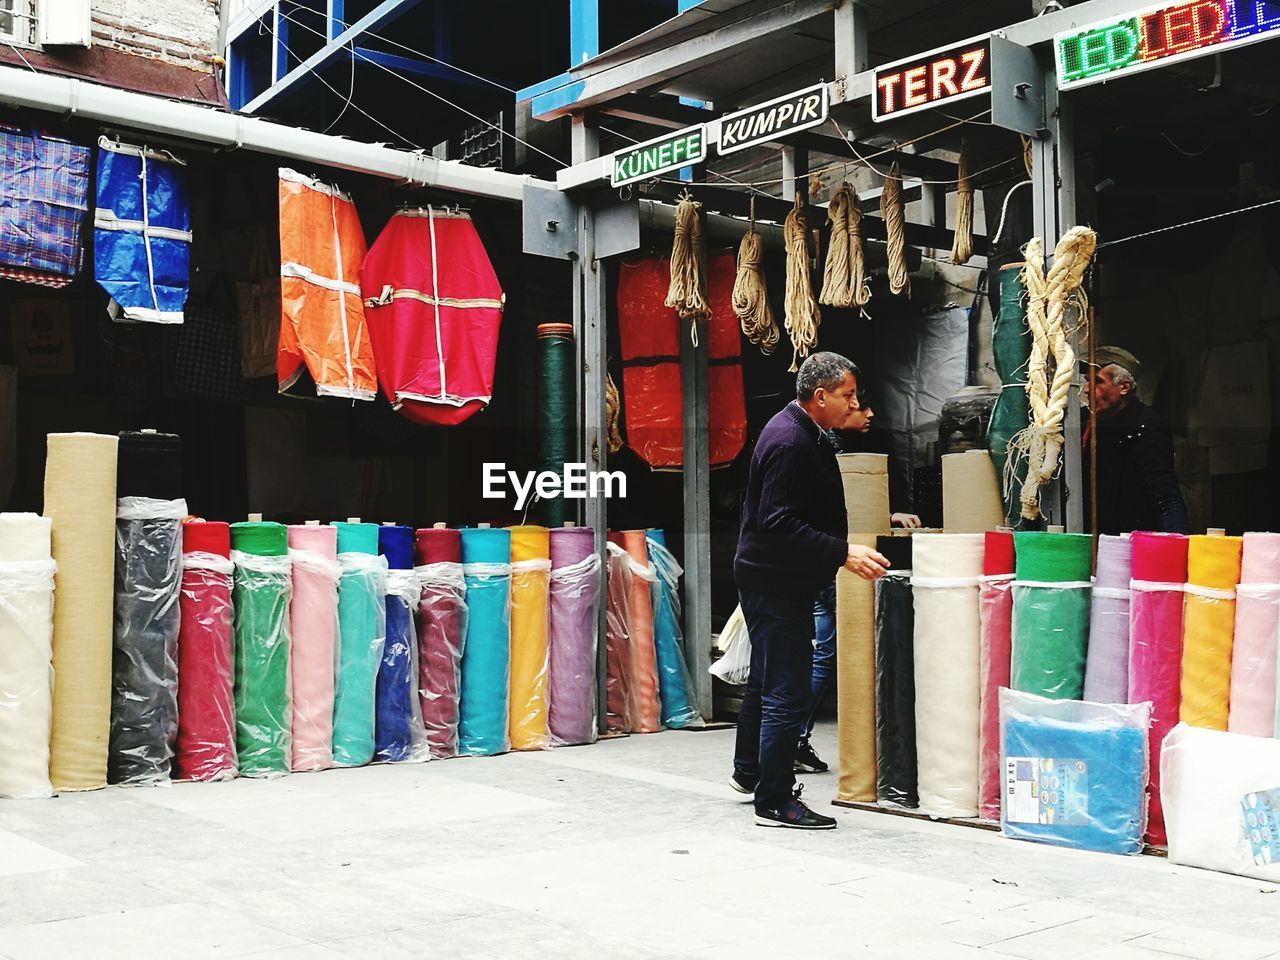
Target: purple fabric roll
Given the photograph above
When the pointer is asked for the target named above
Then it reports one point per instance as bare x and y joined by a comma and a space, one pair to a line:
574, 594
1106, 677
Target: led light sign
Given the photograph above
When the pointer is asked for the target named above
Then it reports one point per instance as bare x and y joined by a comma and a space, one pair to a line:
928, 79
656, 157
1161, 34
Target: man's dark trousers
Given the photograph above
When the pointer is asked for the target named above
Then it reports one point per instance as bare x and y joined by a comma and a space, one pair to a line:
776, 702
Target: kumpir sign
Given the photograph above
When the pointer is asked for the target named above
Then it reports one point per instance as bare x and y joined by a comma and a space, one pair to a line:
777, 118
656, 157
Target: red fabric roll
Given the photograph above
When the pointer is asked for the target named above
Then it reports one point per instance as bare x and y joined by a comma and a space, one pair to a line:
442, 625
998, 557
996, 608
437, 545
206, 747
1155, 648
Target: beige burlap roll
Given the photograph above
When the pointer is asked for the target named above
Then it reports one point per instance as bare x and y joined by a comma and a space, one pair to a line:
856, 683
970, 493
866, 492
80, 499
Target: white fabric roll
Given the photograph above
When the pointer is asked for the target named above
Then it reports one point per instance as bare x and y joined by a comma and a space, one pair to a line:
26, 655
946, 572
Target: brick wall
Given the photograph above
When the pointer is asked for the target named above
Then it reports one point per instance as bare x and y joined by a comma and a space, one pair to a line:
179, 32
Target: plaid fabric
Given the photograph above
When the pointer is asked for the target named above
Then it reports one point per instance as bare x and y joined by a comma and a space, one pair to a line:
207, 358
44, 194
51, 280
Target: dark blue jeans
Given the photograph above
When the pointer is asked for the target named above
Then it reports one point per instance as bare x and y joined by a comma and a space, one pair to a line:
824, 651
776, 702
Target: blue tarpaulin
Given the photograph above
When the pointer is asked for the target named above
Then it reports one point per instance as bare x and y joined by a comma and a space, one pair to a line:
142, 232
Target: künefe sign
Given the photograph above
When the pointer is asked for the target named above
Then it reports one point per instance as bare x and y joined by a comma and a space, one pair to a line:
662, 155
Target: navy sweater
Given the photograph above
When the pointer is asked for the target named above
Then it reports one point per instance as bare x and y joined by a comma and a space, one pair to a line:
794, 534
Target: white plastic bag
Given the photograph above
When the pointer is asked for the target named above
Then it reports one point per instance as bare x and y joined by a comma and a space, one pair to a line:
735, 666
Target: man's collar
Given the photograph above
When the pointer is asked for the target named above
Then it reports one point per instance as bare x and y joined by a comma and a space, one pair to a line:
801, 416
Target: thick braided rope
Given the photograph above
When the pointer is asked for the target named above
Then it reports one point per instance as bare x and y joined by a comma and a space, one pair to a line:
687, 294
802, 317
835, 274
750, 298
896, 231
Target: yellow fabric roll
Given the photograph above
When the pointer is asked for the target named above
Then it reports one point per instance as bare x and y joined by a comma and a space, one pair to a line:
530, 579
1208, 630
971, 500
80, 499
866, 492
856, 683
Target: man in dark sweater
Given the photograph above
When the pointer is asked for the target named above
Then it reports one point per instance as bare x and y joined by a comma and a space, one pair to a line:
794, 537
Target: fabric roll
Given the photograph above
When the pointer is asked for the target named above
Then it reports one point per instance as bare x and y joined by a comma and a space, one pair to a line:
619, 697
262, 590
945, 581
144, 668
1253, 656
530, 582
1106, 674
557, 407
486, 652
80, 499
571, 636
971, 501
362, 634
996, 617
895, 677
674, 684
442, 628
1011, 348
206, 748
26, 655
856, 683
866, 492
1051, 614
313, 629
1208, 630
1155, 646
644, 661
398, 732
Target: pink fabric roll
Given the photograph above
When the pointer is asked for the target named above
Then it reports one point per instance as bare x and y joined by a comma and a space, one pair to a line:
1253, 659
313, 613
996, 612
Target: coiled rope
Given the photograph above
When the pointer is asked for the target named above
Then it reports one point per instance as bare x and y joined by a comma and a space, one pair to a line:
844, 282
612, 411
687, 292
895, 228
750, 298
801, 317
962, 242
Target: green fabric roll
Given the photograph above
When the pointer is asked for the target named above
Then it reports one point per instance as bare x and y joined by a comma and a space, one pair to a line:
1011, 344
556, 401
1051, 624
262, 589
362, 634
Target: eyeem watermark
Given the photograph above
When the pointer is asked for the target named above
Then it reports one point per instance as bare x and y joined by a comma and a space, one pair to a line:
576, 482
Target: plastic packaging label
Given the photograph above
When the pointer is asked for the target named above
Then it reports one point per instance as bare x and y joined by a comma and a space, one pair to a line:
1260, 818
1047, 790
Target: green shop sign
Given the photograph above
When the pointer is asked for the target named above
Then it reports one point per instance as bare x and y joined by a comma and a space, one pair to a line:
656, 157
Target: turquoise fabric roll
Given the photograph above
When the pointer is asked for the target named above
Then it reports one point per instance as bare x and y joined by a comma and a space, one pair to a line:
673, 677
486, 653
362, 631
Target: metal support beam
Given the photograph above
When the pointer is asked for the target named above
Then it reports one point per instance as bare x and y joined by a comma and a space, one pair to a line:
423, 68
795, 173
852, 53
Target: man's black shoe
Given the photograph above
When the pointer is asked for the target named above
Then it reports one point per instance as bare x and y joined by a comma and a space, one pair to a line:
795, 815
747, 788
807, 761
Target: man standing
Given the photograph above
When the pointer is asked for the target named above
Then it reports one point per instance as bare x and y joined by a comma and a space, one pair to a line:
792, 541
1137, 489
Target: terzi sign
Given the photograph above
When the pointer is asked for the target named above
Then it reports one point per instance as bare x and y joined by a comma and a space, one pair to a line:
929, 79
656, 157
1161, 34
768, 121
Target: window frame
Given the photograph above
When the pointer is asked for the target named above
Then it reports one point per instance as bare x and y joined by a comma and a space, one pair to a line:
27, 11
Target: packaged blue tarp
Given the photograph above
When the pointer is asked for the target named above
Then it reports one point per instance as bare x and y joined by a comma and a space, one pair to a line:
1075, 773
142, 232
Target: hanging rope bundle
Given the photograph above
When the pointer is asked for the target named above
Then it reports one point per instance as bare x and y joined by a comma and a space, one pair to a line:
750, 298
844, 282
1052, 363
962, 244
802, 315
612, 410
687, 294
895, 227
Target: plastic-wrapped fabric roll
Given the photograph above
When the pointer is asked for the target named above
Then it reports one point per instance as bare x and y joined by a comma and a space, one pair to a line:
895, 677
1106, 672
206, 702
571, 636
399, 736
644, 659
856, 683
1253, 656
362, 634
262, 590
945, 585
1221, 800
313, 630
1011, 347
530, 582
1051, 614
674, 683
442, 628
1155, 646
1208, 630
80, 499
971, 501
619, 698
866, 492
26, 655
996, 611
144, 668
486, 653
1075, 773
557, 406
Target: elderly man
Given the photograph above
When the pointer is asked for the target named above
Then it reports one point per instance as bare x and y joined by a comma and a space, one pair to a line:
794, 537
1137, 489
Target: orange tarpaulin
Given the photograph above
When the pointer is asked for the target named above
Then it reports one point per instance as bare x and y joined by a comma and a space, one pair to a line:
322, 326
